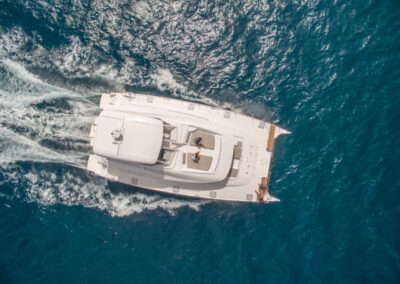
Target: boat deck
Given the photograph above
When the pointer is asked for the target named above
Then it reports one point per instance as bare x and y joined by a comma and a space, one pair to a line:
252, 153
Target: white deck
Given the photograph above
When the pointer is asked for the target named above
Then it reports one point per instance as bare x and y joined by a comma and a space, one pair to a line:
251, 160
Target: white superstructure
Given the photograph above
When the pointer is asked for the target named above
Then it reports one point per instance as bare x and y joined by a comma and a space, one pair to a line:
151, 142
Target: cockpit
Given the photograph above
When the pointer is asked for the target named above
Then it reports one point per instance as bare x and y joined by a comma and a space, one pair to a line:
182, 151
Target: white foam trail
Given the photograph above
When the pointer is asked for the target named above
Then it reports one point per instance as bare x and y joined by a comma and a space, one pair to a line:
164, 80
76, 60
16, 68
48, 189
11, 41
24, 125
20, 87
17, 147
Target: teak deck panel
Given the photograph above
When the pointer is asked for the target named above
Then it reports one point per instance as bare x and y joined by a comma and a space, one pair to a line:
271, 138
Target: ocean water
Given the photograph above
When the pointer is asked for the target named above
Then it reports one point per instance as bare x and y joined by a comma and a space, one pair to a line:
328, 71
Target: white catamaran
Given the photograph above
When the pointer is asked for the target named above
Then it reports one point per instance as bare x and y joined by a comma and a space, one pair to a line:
182, 148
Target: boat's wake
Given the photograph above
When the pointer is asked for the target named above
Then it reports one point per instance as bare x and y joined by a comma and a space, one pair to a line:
39, 121
44, 147
71, 186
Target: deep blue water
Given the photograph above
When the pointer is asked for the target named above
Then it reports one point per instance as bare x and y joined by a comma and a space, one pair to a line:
328, 71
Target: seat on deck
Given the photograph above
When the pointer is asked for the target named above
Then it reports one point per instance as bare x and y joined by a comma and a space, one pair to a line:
202, 164
207, 139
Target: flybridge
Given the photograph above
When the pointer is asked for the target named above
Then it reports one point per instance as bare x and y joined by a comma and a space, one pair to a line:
129, 138
182, 148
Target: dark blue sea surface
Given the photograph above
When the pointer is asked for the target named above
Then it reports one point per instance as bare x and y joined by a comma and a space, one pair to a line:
328, 71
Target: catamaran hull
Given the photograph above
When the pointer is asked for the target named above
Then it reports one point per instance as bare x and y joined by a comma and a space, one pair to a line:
254, 163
